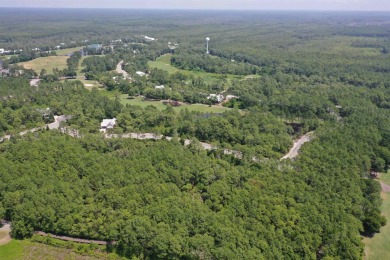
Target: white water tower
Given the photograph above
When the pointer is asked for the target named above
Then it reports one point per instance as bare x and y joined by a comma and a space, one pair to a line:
207, 44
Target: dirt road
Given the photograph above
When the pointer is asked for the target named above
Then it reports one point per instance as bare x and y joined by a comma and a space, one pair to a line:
121, 71
385, 187
297, 146
5, 233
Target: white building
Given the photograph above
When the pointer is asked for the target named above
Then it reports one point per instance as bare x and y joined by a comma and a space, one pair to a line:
159, 87
140, 73
218, 97
1, 51
149, 38
228, 97
107, 124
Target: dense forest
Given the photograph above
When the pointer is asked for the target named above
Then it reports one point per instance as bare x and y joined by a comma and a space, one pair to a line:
290, 74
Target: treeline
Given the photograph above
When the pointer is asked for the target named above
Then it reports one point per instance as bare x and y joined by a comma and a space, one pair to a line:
100, 64
24, 107
212, 64
261, 134
27, 55
168, 201
69, 72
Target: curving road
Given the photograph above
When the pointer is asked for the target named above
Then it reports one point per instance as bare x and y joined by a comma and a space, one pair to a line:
297, 146
121, 71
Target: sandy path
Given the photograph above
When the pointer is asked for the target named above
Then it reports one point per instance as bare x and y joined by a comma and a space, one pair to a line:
5, 237
121, 71
297, 146
34, 82
385, 187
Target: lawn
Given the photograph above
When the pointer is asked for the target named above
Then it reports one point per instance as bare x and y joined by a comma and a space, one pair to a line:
67, 51
164, 63
377, 248
12, 251
88, 84
48, 63
28, 250
159, 105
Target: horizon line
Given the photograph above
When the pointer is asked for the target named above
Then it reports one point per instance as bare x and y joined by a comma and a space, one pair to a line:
201, 9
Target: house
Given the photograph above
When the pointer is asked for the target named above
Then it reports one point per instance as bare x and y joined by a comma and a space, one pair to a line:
58, 47
159, 87
228, 97
149, 38
140, 73
217, 97
107, 124
95, 46
2, 51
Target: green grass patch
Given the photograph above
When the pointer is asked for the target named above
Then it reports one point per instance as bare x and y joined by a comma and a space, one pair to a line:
68, 51
30, 250
377, 248
48, 63
139, 101
164, 63
12, 251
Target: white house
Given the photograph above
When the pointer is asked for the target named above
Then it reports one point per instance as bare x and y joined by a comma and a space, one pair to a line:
149, 38
218, 97
159, 87
140, 73
1, 51
228, 97
107, 124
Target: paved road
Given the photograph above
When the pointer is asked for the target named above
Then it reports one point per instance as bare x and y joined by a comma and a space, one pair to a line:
51, 126
144, 136
297, 146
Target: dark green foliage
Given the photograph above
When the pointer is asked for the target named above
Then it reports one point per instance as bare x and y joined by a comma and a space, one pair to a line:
164, 200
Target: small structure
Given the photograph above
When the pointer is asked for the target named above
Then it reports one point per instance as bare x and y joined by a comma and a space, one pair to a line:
95, 46
57, 47
107, 124
2, 51
140, 73
228, 97
159, 87
150, 39
216, 97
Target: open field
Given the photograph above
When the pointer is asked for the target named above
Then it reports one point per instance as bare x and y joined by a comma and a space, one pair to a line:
67, 51
48, 63
164, 63
28, 250
377, 248
159, 105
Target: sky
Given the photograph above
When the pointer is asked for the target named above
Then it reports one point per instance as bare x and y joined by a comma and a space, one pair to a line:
341, 5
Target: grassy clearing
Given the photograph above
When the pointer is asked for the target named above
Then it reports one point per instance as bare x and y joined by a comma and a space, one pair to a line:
164, 63
159, 105
48, 63
68, 51
12, 251
377, 248
28, 250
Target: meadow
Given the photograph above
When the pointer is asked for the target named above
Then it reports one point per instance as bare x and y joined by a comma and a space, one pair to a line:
377, 247
164, 63
47, 63
28, 250
139, 101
